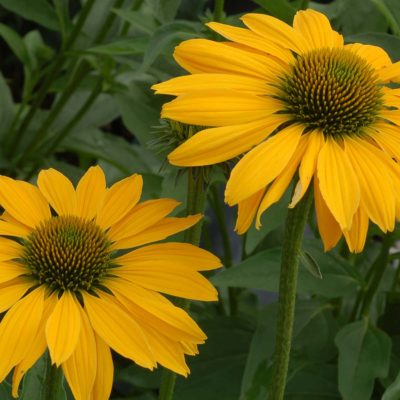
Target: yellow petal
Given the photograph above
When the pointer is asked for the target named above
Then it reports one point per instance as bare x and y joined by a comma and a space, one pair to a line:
390, 73
338, 183
391, 115
9, 226
316, 29
23, 201
10, 270
18, 329
281, 183
105, 371
63, 328
90, 192
328, 228
58, 191
119, 200
355, 238
374, 55
118, 329
159, 231
10, 249
220, 108
249, 38
262, 165
12, 291
247, 210
388, 138
308, 165
167, 254
157, 311
141, 217
205, 82
277, 31
176, 280
207, 56
80, 368
214, 145
377, 196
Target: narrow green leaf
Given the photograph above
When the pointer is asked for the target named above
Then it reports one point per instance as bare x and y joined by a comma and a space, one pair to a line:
39, 11
5, 391
16, 44
120, 47
364, 355
393, 391
166, 10
278, 8
310, 264
7, 107
139, 21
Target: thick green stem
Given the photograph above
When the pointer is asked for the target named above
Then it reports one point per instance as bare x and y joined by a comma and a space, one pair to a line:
295, 224
196, 197
218, 10
53, 382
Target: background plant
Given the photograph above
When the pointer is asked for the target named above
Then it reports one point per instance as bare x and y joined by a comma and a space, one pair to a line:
74, 91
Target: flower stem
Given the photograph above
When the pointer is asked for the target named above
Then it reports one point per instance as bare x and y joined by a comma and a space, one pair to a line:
196, 197
218, 10
295, 224
53, 379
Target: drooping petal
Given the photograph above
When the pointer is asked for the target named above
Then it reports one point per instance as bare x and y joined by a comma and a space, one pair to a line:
308, 165
316, 29
338, 183
388, 138
118, 329
214, 145
90, 192
262, 165
23, 201
58, 191
105, 371
119, 200
249, 38
80, 368
357, 235
18, 329
12, 229
220, 108
10, 270
159, 231
277, 31
377, 196
247, 210
63, 328
141, 217
328, 227
9, 249
201, 55
12, 291
374, 55
390, 73
170, 254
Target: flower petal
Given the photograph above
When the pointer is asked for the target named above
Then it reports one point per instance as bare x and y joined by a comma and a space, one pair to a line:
23, 201
116, 327
357, 235
247, 210
63, 328
262, 165
214, 145
338, 183
390, 73
9, 249
220, 108
374, 55
90, 192
18, 329
119, 200
58, 191
12, 291
105, 371
10, 270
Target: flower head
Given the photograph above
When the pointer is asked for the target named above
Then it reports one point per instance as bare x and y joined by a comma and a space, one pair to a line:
70, 283
296, 100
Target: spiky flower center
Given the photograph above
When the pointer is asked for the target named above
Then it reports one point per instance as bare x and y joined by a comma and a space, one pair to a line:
67, 253
334, 90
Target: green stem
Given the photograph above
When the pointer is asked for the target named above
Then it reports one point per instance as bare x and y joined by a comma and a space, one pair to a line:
304, 4
218, 10
53, 382
295, 224
388, 15
196, 197
378, 268
14, 137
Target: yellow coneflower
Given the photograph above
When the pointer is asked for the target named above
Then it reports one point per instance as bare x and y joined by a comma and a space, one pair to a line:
297, 100
70, 283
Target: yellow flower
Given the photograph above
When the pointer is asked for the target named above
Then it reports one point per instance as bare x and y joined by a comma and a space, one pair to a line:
296, 99
69, 284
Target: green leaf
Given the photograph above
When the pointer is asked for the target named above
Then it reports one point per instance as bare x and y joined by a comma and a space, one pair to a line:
120, 47
39, 11
16, 44
7, 107
307, 260
165, 10
5, 391
278, 8
32, 388
364, 355
138, 20
217, 370
390, 11
393, 391
388, 42
262, 270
